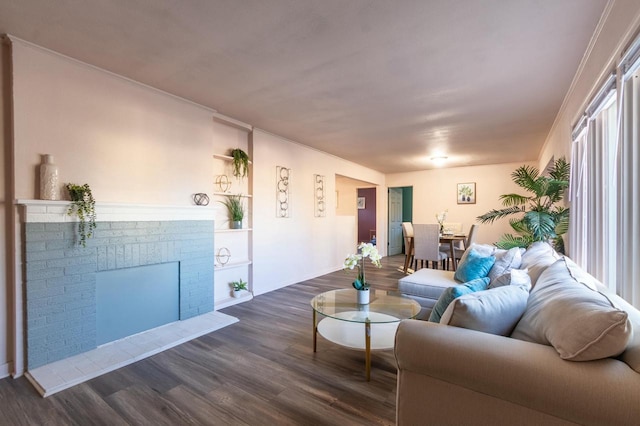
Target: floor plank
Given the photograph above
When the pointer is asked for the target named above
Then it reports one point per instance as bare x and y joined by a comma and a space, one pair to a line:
261, 370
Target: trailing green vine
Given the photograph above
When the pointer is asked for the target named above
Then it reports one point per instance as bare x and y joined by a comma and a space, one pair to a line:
84, 206
240, 163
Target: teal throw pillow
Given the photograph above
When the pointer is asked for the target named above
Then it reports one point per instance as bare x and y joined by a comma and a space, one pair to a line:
451, 293
474, 266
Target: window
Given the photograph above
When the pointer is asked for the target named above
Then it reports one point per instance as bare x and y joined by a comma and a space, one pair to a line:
592, 193
628, 175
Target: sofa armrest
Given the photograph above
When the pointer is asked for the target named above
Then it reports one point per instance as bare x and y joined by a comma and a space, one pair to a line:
523, 373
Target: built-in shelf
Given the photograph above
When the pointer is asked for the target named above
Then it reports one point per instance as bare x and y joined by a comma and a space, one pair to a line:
233, 230
232, 265
225, 157
232, 194
230, 301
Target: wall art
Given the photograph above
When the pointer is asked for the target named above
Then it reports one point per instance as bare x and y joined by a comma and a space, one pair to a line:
466, 193
320, 204
283, 201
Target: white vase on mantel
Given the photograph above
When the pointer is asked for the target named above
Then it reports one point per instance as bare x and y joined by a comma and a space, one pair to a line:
49, 188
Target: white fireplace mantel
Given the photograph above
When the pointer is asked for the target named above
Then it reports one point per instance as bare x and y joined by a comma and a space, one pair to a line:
45, 211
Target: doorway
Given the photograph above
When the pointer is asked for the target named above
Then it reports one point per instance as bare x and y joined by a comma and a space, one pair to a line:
400, 210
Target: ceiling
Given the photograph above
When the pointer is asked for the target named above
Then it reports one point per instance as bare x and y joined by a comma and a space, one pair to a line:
386, 84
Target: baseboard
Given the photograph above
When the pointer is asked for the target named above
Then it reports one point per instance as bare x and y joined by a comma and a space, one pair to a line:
5, 370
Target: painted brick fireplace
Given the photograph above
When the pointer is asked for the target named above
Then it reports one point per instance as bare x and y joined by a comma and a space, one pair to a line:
60, 275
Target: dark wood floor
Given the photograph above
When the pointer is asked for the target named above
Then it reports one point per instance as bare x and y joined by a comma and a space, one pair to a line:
259, 371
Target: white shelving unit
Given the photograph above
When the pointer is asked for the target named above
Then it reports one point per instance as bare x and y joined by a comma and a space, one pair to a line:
237, 241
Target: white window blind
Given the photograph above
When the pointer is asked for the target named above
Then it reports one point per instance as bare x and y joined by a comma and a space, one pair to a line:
628, 174
592, 190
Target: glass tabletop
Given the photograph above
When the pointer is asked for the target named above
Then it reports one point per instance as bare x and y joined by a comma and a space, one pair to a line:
383, 307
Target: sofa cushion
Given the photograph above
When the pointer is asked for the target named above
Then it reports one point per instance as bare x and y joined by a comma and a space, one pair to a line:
456, 291
577, 319
506, 260
427, 283
495, 311
513, 277
537, 258
474, 265
631, 355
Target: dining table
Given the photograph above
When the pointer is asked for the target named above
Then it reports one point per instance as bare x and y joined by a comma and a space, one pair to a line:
444, 238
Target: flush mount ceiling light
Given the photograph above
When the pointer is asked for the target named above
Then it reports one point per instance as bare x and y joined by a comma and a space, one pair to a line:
439, 160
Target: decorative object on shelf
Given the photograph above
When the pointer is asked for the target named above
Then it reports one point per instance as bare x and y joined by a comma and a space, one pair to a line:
466, 193
238, 286
49, 188
283, 176
235, 207
441, 217
357, 261
361, 203
240, 163
319, 196
543, 217
201, 199
84, 206
223, 255
223, 182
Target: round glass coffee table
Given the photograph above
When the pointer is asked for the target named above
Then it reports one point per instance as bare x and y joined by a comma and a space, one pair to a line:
369, 327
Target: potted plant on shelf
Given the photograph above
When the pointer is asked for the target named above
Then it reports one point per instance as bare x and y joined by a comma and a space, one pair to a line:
541, 218
240, 163
237, 287
84, 206
235, 207
357, 261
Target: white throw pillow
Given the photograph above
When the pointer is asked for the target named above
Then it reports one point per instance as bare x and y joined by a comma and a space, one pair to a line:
580, 322
495, 311
513, 277
505, 261
537, 258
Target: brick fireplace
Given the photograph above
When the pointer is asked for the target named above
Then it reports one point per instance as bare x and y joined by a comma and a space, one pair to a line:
60, 275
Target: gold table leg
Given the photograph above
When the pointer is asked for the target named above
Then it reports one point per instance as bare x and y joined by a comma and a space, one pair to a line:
315, 330
367, 353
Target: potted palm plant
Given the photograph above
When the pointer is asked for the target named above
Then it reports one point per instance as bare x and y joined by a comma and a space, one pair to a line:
235, 207
539, 216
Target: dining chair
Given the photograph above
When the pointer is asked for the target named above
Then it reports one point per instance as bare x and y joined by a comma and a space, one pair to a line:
471, 238
407, 234
426, 243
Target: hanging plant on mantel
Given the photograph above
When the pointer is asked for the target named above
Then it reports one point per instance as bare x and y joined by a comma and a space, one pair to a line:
240, 163
84, 206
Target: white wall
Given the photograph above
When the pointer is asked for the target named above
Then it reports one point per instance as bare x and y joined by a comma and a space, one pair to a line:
435, 190
617, 31
289, 250
130, 143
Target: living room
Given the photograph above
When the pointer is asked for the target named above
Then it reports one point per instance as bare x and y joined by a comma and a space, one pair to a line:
137, 145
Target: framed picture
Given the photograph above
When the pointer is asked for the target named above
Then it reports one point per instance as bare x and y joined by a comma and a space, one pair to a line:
361, 201
466, 193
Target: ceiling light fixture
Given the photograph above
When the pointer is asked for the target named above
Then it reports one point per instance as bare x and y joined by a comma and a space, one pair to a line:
440, 160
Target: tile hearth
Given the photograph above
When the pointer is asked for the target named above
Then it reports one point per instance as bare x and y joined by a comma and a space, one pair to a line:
57, 376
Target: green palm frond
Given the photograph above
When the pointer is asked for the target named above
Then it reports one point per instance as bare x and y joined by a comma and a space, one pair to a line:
499, 214
543, 219
508, 241
525, 177
509, 200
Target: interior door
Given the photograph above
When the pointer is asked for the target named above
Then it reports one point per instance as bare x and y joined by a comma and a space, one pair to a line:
395, 221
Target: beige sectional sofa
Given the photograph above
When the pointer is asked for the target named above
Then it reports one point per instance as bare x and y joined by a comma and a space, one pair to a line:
573, 356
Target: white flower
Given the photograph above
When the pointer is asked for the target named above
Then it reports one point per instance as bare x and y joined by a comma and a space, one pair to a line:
351, 261
442, 216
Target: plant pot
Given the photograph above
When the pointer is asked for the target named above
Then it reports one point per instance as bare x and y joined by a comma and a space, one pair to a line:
363, 296
236, 224
237, 293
